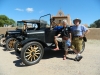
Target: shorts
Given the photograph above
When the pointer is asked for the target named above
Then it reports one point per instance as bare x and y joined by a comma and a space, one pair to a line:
67, 44
77, 43
59, 39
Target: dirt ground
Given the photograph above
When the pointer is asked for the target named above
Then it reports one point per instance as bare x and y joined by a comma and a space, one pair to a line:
53, 64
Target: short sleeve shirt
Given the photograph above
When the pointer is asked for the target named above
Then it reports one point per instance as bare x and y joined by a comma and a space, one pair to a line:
65, 31
78, 30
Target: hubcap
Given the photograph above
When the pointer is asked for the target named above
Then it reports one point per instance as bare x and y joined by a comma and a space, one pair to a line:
32, 53
11, 43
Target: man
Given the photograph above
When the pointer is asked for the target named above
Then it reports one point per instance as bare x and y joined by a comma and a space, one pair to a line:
25, 26
78, 32
65, 37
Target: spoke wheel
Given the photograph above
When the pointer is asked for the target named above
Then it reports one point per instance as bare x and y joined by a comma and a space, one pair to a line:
32, 53
10, 43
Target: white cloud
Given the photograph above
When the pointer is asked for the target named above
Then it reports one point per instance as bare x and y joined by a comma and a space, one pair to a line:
41, 11
18, 9
29, 9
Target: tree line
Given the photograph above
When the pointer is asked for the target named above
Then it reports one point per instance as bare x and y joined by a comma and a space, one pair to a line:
4, 20
95, 24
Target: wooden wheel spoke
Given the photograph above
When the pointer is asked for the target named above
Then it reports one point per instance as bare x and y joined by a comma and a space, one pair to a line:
37, 50
37, 53
29, 57
31, 48
27, 52
34, 57
34, 46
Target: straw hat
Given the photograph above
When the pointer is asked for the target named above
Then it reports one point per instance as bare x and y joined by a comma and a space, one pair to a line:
77, 19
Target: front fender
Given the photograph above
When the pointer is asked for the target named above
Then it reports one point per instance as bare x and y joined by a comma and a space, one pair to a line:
9, 37
20, 38
33, 39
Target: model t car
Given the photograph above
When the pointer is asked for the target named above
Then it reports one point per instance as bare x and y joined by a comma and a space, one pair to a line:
29, 27
12, 36
36, 41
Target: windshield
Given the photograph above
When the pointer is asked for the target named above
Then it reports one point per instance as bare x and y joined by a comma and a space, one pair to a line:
21, 24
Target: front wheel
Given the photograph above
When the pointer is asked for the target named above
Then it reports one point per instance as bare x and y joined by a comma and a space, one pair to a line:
32, 53
10, 43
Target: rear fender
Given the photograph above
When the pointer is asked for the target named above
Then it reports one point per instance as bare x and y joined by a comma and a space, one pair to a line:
33, 39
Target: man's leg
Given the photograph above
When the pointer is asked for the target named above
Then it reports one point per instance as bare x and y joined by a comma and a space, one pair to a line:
79, 47
56, 40
66, 50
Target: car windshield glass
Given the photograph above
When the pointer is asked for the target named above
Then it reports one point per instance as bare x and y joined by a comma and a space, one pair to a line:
20, 24
45, 22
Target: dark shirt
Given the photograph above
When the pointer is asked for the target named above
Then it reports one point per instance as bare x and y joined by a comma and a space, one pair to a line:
65, 32
58, 29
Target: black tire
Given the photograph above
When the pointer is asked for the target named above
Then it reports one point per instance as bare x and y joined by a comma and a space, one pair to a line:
83, 46
17, 47
10, 43
29, 59
2, 42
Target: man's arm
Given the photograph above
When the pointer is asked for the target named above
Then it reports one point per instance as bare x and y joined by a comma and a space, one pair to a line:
58, 35
86, 31
70, 36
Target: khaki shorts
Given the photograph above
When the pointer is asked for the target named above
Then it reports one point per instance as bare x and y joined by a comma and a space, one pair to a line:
77, 43
63, 43
59, 39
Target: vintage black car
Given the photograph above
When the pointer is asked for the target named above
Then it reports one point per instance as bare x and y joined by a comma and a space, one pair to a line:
2, 39
33, 48
32, 27
12, 36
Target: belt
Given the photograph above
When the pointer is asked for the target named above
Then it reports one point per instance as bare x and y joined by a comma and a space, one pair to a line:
76, 36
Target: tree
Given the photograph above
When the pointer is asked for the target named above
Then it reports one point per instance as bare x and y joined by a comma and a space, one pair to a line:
96, 24
11, 21
5, 20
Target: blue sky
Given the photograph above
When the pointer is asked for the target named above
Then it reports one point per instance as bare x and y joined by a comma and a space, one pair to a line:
87, 10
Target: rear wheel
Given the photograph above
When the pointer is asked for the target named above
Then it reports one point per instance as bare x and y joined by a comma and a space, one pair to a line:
32, 53
10, 43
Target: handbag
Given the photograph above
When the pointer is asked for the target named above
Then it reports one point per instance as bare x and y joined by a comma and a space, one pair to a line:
85, 39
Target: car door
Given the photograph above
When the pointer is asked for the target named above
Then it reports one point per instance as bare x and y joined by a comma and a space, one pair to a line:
49, 35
